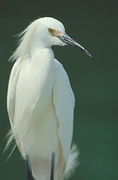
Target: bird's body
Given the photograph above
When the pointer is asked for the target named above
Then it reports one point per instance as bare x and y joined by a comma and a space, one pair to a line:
40, 102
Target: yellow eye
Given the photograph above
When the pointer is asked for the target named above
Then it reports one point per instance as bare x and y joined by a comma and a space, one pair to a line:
51, 31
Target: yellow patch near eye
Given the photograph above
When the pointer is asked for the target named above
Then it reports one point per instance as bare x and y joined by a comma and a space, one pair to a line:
51, 31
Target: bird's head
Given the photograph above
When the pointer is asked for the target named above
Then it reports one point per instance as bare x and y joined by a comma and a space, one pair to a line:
52, 32
44, 33
48, 31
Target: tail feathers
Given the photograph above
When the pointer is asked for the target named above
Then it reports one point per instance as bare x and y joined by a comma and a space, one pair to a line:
72, 161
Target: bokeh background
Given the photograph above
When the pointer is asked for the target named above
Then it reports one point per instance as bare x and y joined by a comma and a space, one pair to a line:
94, 24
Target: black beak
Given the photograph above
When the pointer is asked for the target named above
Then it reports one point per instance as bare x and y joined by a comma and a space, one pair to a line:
69, 41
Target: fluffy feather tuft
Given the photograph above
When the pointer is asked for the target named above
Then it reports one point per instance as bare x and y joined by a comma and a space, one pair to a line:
25, 38
72, 161
10, 142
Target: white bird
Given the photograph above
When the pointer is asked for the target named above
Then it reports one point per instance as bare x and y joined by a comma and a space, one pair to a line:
40, 102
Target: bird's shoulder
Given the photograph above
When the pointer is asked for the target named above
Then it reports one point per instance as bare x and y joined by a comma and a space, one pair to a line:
58, 65
59, 70
62, 81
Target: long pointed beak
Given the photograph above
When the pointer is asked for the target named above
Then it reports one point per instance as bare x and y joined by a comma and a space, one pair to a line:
69, 41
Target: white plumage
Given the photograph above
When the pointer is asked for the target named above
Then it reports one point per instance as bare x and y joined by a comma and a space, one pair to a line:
40, 100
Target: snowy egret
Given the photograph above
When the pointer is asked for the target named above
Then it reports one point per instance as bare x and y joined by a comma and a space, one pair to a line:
40, 102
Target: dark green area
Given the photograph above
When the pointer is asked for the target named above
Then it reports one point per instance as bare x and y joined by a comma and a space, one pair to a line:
94, 24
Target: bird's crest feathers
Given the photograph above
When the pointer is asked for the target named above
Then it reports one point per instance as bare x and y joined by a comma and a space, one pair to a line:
25, 38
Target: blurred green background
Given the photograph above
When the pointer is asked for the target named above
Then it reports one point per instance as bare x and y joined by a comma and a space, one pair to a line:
94, 24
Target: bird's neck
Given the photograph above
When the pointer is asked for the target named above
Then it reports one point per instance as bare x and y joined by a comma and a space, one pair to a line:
42, 55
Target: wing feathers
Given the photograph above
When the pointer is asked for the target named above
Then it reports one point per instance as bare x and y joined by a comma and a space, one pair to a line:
64, 106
